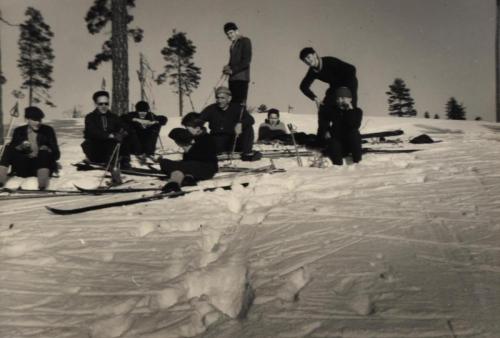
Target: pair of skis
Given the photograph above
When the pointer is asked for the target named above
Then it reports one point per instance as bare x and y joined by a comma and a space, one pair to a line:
271, 169
144, 199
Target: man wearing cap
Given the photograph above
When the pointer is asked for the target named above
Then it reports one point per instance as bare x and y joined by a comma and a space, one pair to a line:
230, 124
335, 72
199, 161
145, 129
103, 132
238, 68
33, 150
340, 128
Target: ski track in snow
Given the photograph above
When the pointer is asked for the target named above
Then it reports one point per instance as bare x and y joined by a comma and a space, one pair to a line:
400, 245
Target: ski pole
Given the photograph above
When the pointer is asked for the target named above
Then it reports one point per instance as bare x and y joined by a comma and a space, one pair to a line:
235, 135
11, 123
108, 165
292, 132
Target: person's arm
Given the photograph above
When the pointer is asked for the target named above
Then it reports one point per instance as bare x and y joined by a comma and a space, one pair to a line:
246, 56
305, 85
355, 117
54, 147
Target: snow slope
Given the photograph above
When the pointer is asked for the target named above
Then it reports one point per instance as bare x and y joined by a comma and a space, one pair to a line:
400, 245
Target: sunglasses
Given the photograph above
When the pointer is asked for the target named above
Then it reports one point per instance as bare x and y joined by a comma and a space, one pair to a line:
103, 103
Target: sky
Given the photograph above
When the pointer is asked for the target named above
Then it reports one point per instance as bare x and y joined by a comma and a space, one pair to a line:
440, 48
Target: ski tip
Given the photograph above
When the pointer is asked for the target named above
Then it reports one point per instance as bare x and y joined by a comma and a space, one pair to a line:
55, 211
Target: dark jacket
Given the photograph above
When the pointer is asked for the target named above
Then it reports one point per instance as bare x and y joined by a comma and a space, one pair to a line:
223, 121
335, 72
240, 56
46, 136
340, 122
99, 126
202, 150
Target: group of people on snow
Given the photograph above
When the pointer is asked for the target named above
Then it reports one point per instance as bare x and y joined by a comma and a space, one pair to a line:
111, 139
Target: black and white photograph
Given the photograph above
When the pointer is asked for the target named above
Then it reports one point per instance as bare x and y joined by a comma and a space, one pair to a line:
249, 169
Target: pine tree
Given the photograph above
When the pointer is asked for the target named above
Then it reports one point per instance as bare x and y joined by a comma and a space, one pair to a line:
454, 110
36, 57
427, 115
183, 73
436, 116
114, 49
400, 101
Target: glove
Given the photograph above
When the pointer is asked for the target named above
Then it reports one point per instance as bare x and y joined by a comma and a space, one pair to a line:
119, 136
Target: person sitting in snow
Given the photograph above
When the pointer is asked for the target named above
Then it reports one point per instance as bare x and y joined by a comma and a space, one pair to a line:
272, 129
340, 128
231, 124
33, 150
145, 127
199, 161
103, 132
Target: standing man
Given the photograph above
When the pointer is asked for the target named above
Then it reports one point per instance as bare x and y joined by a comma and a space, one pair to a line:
238, 68
230, 124
103, 131
331, 70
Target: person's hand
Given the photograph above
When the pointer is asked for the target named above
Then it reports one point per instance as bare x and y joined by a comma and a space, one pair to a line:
327, 135
25, 146
237, 128
227, 70
44, 147
119, 136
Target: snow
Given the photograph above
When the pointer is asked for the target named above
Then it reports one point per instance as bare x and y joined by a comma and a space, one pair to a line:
399, 245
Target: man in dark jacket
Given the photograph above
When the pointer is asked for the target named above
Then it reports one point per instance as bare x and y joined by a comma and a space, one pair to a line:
238, 68
33, 150
199, 161
145, 129
333, 71
340, 128
103, 132
230, 122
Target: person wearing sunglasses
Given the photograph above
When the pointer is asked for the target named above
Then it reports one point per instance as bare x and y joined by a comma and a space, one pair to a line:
103, 132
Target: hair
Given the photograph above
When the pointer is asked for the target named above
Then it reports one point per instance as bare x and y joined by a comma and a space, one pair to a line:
230, 26
273, 111
142, 106
192, 119
305, 52
99, 94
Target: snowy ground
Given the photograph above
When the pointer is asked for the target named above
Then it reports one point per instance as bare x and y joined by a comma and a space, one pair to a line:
400, 245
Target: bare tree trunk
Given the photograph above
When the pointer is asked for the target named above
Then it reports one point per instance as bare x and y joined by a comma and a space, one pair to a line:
497, 63
119, 45
179, 84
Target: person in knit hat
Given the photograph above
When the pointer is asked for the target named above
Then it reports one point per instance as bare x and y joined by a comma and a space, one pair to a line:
238, 68
33, 150
340, 128
199, 161
145, 129
230, 124
335, 72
